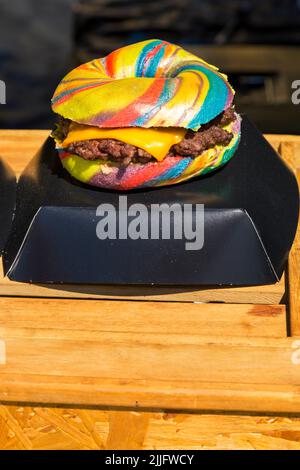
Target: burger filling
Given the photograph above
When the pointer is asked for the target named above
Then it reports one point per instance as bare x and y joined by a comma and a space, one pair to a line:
190, 144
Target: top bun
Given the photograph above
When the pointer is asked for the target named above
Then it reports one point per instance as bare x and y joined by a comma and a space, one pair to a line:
148, 84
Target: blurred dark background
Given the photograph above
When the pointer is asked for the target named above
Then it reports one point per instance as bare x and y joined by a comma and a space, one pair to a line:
257, 43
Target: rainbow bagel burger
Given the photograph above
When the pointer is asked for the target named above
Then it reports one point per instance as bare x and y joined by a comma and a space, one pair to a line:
148, 114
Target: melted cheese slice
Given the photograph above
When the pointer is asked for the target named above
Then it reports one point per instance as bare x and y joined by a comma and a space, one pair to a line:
155, 140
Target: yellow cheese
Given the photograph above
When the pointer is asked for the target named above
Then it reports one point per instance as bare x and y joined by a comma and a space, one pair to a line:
155, 140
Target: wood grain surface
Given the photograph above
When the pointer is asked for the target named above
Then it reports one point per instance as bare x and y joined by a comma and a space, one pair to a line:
114, 365
23, 427
63, 316
137, 354
270, 294
18, 147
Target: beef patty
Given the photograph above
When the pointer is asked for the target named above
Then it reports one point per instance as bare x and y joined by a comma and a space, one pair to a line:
192, 145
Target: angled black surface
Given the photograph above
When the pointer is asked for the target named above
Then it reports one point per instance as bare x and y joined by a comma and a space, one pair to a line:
251, 212
7, 201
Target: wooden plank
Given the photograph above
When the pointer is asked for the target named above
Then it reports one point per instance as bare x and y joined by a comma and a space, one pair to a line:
193, 370
294, 286
290, 152
135, 354
155, 394
269, 294
19, 146
24, 427
277, 139
19, 155
203, 376
172, 358
92, 319
294, 281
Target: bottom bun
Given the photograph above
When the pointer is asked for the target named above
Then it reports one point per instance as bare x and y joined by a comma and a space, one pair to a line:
171, 170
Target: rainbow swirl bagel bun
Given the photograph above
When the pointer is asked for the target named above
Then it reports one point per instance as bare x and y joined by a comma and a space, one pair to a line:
148, 114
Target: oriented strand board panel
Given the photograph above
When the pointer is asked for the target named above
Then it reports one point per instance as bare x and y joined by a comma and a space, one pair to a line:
23, 427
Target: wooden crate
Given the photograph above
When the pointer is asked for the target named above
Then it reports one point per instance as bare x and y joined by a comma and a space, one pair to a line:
117, 368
